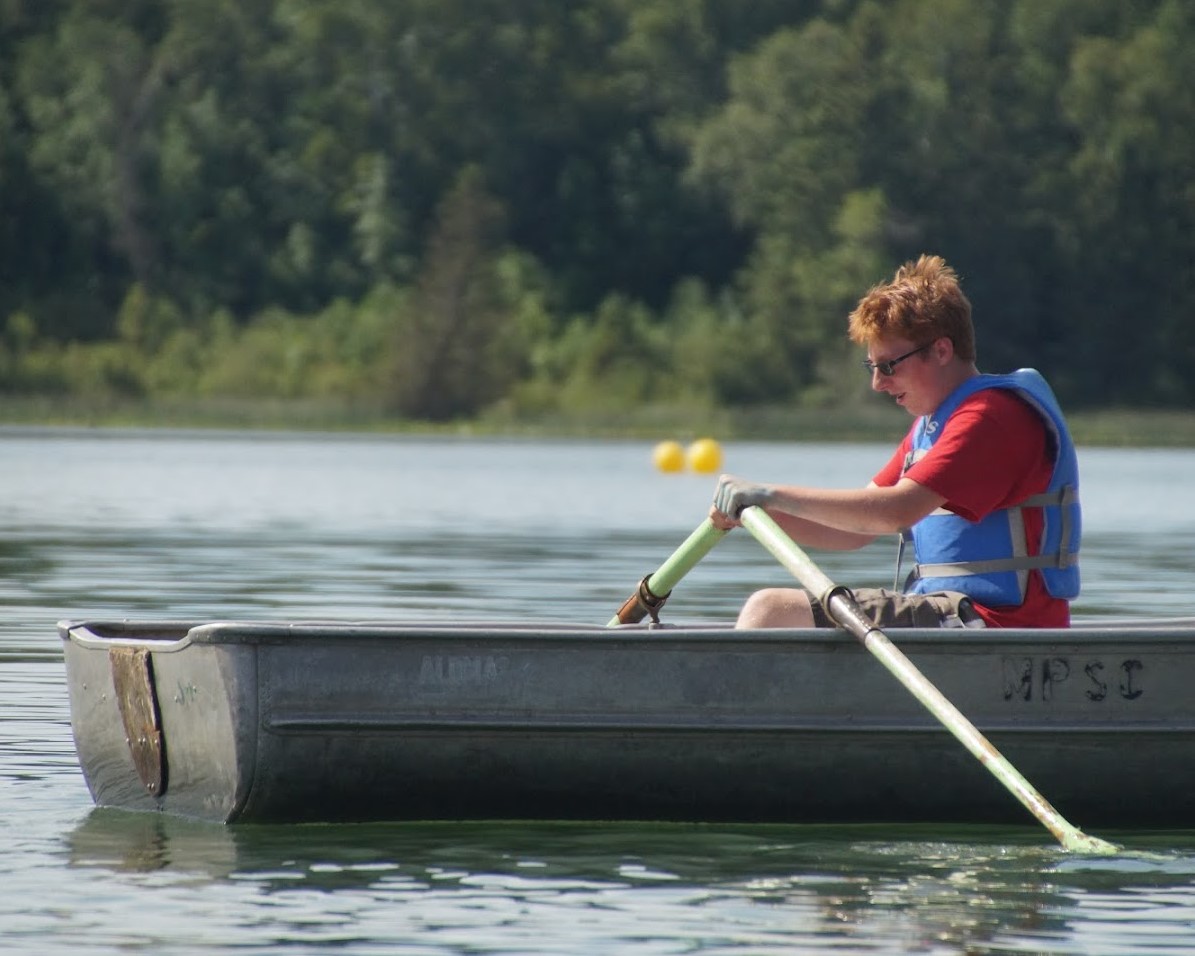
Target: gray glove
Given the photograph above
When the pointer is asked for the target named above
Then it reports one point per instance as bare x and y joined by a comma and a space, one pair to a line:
734, 494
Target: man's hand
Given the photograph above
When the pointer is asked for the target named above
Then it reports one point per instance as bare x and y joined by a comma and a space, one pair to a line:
733, 495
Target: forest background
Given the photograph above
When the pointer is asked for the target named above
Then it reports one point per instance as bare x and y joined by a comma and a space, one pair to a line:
597, 216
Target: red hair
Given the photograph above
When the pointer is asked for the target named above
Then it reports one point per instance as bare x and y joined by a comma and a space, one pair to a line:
922, 303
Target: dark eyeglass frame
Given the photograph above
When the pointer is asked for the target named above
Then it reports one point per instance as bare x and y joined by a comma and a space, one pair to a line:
888, 367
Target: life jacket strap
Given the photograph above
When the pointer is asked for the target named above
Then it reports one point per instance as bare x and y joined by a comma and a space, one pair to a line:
995, 566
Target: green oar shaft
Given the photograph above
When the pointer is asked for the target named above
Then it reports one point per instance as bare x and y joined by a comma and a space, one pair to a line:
681, 562
843, 608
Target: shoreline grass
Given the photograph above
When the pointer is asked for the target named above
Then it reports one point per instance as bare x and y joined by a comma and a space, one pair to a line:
1118, 427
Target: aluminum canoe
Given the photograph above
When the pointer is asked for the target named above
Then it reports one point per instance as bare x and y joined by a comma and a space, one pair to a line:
288, 722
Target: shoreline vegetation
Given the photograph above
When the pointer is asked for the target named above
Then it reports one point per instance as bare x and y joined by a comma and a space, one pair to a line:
603, 218
1117, 427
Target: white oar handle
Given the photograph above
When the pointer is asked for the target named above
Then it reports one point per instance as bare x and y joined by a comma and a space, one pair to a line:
840, 604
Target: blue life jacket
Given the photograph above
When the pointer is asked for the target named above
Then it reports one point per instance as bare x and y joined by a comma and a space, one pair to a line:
988, 559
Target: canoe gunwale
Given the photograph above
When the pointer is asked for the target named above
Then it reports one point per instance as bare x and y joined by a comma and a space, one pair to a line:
183, 633
135, 634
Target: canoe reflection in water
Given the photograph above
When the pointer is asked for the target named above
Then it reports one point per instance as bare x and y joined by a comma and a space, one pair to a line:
868, 873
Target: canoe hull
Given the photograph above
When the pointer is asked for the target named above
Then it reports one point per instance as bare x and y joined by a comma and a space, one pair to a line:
274, 723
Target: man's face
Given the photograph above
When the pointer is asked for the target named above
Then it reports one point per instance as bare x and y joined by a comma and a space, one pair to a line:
916, 381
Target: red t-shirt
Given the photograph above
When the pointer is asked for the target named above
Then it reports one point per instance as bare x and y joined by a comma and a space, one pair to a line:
993, 452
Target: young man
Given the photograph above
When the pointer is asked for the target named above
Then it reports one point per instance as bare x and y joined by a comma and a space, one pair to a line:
985, 483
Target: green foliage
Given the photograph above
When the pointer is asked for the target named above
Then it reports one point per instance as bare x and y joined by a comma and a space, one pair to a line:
614, 361
146, 322
714, 348
456, 349
453, 209
784, 147
1131, 102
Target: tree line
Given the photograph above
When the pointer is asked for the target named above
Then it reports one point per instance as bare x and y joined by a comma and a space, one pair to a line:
448, 207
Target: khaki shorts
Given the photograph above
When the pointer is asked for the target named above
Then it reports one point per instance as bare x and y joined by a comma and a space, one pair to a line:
888, 608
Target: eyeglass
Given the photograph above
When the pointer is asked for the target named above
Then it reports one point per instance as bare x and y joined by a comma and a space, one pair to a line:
888, 367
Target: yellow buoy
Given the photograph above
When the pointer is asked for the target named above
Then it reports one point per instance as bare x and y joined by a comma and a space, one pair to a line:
668, 456
705, 455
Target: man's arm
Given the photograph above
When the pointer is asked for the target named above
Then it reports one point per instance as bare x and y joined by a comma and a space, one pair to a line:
833, 519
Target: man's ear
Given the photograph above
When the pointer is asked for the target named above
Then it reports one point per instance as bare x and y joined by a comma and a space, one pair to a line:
943, 349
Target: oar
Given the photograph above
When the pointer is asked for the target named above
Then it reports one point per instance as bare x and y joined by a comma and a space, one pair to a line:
843, 608
654, 589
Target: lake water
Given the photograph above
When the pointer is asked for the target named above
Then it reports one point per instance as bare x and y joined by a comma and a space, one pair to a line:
115, 524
